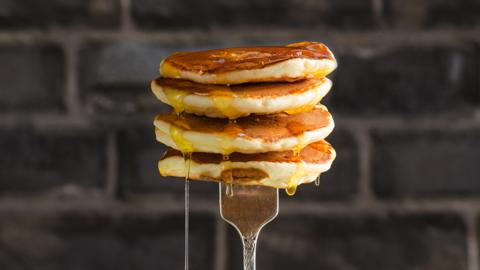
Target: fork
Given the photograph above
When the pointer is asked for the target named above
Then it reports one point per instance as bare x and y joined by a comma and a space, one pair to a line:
248, 209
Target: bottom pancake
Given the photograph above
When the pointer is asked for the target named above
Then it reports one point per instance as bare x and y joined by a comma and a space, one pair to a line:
274, 169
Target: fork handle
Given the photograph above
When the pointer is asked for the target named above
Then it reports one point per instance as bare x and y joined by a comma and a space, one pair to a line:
249, 248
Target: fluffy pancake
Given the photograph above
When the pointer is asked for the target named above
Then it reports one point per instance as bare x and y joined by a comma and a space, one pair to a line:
252, 134
255, 64
274, 169
240, 100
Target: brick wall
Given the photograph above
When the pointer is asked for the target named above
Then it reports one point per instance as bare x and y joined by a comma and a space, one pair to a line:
78, 182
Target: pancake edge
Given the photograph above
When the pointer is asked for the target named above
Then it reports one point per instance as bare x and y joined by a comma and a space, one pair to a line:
278, 173
209, 142
288, 70
244, 106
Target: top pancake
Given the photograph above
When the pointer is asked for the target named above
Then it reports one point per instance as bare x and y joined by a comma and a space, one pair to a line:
255, 64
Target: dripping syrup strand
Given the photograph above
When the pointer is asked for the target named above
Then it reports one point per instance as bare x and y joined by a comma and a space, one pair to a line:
187, 157
292, 183
229, 176
317, 181
226, 157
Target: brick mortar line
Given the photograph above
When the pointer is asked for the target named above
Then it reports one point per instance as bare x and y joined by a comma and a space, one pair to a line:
393, 37
166, 205
472, 240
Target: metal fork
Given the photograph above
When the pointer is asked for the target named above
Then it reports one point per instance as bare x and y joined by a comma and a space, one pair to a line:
248, 209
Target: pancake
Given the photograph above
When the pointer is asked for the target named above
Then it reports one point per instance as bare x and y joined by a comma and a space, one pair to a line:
273, 169
252, 134
254, 64
240, 100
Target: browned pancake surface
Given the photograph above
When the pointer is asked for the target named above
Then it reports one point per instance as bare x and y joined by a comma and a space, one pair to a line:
318, 152
270, 127
231, 59
244, 90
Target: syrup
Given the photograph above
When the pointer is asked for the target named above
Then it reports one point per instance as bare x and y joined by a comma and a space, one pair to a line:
317, 181
175, 98
294, 179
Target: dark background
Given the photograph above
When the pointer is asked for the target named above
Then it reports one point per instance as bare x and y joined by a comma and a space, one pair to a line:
79, 187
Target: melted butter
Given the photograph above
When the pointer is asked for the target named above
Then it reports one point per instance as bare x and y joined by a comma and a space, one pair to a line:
168, 70
162, 171
293, 181
301, 144
226, 146
178, 137
231, 131
175, 98
320, 73
223, 100
306, 107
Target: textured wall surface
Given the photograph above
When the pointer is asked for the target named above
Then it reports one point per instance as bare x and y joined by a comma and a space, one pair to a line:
79, 187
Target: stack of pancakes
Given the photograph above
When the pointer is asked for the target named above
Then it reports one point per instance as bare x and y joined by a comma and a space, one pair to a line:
247, 116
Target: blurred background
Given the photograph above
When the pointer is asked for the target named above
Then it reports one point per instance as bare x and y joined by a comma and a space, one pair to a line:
79, 188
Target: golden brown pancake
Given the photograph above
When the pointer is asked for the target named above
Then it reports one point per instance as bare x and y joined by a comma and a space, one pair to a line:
275, 169
240, 100
256, 90
252, 134
252, 64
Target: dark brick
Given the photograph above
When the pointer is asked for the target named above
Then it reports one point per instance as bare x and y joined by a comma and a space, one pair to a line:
31, 77
291, 13
18, 14
407, 80
36, 160
478, 233
139, 153
441, 13
95, 242
373, 242
426, 163
407, 14
340, 182
115, 78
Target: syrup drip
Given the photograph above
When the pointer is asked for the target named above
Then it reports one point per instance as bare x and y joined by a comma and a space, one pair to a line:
317, 181
223, 102
179, 139
293, 181
175, 99
187, 157
320, 73
306, 107
229, 190
297, 129
186, 147
228, 176
168, 70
